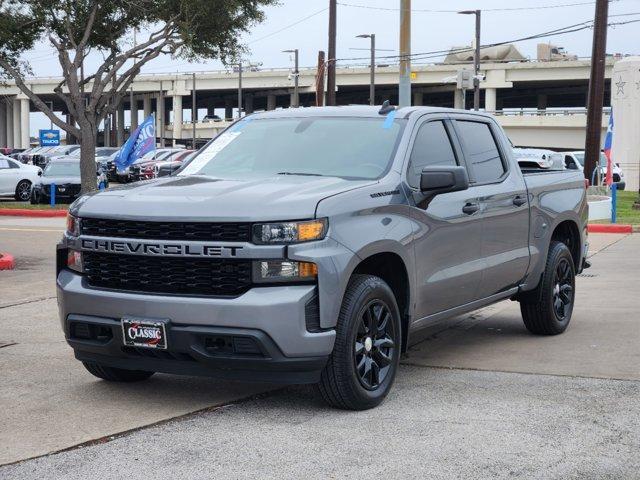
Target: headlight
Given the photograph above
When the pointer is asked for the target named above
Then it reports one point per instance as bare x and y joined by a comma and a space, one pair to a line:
274, 271
290, 232
74, 261
73, 226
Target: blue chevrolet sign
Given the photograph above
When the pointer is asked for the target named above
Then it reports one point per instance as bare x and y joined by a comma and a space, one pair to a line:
49, 138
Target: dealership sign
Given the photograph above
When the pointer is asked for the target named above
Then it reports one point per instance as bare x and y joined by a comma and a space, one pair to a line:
49, 138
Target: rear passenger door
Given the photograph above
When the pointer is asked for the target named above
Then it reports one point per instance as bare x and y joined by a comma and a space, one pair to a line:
503, 201
448, 236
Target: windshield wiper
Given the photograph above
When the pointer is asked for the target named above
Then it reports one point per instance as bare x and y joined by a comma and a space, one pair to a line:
301, 173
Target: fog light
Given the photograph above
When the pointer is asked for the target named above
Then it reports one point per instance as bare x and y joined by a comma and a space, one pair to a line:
74, 260
274, 271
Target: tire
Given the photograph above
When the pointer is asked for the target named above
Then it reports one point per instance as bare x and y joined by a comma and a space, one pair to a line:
116, 374
23, 191
342, 383
548, 309
33, 200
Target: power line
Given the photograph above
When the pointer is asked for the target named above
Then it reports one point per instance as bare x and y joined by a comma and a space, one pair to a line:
289, 26
504, 9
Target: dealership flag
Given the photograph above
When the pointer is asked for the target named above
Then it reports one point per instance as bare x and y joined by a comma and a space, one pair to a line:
141, 141
608, 141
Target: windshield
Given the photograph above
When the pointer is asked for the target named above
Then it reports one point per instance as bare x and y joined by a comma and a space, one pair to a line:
353, 148
579, 157
62, 169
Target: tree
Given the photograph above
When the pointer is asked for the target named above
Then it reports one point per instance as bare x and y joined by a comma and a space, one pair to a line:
191, 29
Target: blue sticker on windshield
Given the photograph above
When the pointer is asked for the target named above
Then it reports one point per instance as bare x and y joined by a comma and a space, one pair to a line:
388, 123
240, 124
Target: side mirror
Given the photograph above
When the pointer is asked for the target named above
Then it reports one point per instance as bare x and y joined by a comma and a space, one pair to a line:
437, 180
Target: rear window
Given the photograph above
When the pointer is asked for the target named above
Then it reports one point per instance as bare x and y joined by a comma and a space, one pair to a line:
481, 151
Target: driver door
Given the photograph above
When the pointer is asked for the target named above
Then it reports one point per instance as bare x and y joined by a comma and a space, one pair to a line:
449, 231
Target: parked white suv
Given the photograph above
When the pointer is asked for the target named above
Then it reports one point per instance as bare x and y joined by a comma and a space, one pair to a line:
575, 161
17, 178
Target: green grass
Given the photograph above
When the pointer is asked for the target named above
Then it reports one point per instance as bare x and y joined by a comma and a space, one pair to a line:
625, 213
27, 205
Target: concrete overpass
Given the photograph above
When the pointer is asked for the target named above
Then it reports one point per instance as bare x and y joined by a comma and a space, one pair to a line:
530, 99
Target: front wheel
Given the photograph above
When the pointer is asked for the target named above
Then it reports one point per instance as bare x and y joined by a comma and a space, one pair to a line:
548, 310
23, 191
361, 370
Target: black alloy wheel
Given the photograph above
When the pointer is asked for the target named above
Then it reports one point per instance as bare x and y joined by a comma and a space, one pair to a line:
374, 344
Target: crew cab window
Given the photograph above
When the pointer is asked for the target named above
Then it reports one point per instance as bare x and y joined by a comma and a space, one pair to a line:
13, 164
481, 151
432, 147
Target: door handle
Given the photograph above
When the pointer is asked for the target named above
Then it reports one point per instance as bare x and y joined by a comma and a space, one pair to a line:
518, 201
470, 208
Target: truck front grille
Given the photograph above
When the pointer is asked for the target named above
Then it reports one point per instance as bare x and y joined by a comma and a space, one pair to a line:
205, 231
167, 275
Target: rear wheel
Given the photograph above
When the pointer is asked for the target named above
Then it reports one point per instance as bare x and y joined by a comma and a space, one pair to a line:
366, 354
112, 374
23, 191
548, 310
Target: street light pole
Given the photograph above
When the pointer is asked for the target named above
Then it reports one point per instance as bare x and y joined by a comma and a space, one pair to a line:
296, 75
240, 89
476, 59
372, 86
404, 93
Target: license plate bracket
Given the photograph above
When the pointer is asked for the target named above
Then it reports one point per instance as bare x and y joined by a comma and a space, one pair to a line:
144, 332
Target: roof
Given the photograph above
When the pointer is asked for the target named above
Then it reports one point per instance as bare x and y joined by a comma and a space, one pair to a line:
354, 111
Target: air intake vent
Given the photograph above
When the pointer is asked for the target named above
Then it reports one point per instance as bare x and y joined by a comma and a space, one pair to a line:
312, 315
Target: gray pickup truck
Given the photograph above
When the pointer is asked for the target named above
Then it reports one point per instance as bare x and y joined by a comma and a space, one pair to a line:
309, 245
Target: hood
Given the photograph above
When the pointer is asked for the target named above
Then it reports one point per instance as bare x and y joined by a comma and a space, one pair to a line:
199, 198
59, 180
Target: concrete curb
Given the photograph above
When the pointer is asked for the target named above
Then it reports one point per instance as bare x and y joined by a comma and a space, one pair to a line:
610, 228
25, 212
6, 262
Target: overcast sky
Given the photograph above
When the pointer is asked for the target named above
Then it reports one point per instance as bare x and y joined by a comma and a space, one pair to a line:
431, 31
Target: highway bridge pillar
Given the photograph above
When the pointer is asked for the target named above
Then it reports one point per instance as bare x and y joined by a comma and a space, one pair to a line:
9, 121
16, 123
542, 101
418, 99
3, 124
490, 95
271, 102
177, 118
146, 105
25, 127
120, 126
248, 104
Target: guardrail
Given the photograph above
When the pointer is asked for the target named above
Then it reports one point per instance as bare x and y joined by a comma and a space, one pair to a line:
545, 113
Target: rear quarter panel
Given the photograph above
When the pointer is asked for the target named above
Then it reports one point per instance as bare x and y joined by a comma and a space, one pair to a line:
555, 197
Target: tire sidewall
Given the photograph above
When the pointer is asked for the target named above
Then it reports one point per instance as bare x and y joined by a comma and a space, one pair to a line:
559, 251
372, 289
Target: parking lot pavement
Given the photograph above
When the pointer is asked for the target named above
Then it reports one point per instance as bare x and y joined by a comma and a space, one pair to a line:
444, 419
435, 424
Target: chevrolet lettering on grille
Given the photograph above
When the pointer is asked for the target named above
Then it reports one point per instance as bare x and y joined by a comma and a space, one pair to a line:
159, 249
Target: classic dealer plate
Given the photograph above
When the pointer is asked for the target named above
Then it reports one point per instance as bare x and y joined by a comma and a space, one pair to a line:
140, 332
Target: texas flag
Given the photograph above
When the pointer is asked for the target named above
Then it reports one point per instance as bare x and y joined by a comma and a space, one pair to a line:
608, 141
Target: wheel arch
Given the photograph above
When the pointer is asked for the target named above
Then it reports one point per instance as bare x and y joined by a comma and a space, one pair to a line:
567, 232
391, 268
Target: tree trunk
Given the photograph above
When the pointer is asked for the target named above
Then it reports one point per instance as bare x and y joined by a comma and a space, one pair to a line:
88, 167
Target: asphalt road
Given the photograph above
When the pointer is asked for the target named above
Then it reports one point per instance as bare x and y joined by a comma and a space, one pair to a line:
477, 397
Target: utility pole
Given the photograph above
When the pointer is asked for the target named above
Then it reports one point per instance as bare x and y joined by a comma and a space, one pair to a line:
240, 89
595, 99
296, 75
331, 67
476, 59
404, 94
372, 83
194, 110
320, 79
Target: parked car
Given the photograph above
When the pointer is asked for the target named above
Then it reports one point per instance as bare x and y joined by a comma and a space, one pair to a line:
575, 161
311, 245
44, 156
65, 174
143, 169
16, 179
532, 158
169, 167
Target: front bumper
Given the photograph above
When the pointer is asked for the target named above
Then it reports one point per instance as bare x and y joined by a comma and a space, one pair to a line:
273, 317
